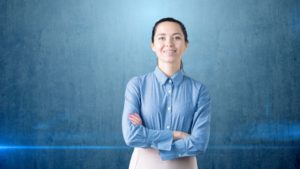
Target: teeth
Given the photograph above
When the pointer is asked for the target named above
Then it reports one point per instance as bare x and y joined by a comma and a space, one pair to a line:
170, 51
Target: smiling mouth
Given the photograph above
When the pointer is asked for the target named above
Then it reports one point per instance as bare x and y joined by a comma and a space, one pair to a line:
170, 51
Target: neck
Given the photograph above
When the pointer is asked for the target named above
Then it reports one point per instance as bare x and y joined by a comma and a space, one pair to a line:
169, 69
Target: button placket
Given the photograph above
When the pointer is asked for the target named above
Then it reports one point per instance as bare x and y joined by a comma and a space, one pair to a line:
169, 87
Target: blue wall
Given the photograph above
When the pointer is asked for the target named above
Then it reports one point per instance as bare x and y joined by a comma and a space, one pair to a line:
64, 66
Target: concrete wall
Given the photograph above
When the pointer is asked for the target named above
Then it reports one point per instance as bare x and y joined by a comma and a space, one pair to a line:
64, 66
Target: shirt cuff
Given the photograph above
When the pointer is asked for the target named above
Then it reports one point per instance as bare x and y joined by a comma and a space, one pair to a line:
160, 139
179, 146
178, 150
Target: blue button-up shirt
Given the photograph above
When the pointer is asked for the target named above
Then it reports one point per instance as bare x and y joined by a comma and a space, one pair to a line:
167, 104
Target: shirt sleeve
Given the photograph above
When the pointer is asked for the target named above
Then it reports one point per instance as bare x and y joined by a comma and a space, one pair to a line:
198, 140
139, 135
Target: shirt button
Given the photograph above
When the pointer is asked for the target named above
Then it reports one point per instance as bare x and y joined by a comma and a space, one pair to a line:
169, 108
170, 81
168, 127
170, 91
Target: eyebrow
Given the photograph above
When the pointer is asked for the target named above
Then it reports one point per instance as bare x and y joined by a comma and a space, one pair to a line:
163, 34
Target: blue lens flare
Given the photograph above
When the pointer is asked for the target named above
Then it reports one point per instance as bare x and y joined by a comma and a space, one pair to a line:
31, 147
253, 147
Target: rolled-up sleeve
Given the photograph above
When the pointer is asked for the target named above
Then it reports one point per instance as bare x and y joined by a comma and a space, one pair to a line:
139, 135
198, 140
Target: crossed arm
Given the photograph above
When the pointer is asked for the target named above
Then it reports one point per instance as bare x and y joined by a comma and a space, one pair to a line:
136, 120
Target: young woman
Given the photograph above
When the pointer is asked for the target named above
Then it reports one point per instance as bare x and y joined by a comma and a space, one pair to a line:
166, 114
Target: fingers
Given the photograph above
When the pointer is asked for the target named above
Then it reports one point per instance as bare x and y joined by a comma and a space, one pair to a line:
175, 135
184, 135
179, 135
135, 119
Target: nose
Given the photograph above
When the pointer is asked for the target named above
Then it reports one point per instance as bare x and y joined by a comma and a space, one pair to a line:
170, 42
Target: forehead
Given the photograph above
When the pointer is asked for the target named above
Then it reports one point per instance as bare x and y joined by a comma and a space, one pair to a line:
168, 28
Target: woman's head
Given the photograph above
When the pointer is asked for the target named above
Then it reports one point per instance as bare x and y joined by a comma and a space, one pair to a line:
169, 41
170, 20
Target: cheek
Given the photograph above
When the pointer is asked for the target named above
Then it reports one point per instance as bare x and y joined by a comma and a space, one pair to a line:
182, 47
159, 48
156, 48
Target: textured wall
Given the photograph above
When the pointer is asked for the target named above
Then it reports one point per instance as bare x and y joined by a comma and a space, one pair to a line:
64, 66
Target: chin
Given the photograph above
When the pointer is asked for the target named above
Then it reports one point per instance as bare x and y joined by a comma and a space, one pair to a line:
172, 60
169, 61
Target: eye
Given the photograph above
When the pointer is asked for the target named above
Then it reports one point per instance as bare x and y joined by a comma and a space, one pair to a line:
161, 38
177, 38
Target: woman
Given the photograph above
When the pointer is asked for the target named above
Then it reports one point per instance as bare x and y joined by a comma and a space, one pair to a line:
166, 114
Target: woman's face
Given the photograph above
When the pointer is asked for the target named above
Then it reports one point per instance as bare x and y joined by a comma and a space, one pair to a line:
169, 43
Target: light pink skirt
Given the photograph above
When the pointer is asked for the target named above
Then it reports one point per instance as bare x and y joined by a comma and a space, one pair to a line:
149, 159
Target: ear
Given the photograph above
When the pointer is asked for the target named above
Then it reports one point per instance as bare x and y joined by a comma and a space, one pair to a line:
152, 47
186, 44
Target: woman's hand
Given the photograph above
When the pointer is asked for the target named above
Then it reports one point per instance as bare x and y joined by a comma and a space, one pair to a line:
179, 135
135, 119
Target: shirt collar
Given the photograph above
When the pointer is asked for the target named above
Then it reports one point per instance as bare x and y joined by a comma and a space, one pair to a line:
162, 78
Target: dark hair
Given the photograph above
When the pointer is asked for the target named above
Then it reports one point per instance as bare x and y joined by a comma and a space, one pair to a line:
170, 20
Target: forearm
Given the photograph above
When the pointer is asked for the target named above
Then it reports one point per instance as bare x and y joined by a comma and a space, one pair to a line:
140, 136
183, 148
159, 139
